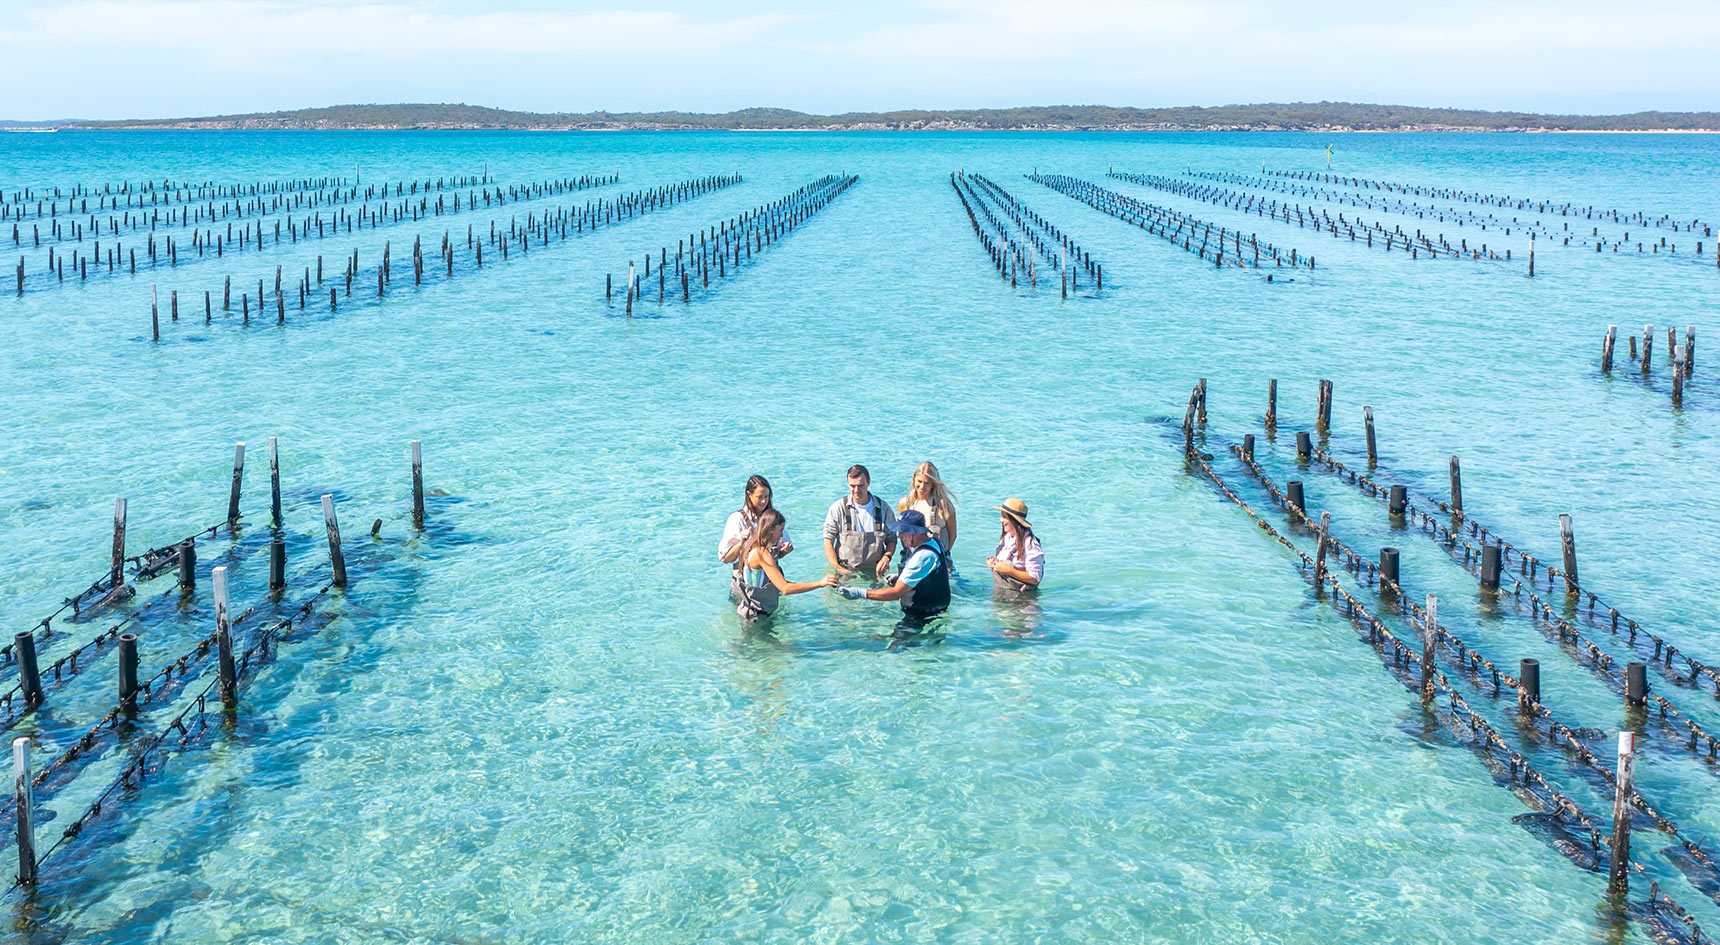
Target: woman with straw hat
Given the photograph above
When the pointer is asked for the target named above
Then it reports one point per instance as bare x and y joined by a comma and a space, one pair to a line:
1019, 562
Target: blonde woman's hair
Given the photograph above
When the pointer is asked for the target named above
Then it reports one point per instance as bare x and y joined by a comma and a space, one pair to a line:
940, 498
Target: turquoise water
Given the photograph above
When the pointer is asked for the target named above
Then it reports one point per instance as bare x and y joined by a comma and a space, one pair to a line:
541, 720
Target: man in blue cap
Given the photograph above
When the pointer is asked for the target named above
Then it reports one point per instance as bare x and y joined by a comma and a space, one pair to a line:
923, 587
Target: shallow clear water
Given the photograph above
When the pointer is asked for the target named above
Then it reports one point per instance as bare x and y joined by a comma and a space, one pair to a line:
542, 721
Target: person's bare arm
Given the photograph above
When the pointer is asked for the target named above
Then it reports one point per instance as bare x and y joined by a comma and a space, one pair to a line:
1009, 571
785, 586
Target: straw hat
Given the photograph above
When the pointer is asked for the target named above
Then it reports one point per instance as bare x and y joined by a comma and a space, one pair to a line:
1016, 509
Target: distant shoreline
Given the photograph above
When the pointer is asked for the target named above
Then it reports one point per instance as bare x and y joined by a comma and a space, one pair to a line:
849, 129
1307, 117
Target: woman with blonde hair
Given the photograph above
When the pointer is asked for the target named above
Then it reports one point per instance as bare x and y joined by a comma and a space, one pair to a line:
928, 495
762, 584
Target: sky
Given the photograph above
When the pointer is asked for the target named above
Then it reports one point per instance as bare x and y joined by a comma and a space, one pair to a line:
176, 58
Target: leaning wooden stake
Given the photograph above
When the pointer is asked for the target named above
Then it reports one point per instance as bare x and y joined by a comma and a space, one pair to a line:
1429, 639
336, 559
1568, 541
229, 678
417, 486
238, 477
24, 796
116, 570
1618, 874
1320, 554
1368, 421
1607, 349
274, 483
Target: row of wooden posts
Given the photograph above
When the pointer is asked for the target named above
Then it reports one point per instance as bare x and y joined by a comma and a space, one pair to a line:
1636, 685
1012, 232
252, 235
1368, 201
1536, 205
228, 201
1172, 226
24, 642
168, 190
563, 223
1682, 359
718, 249
1322, 221
1195, 416
1534, 229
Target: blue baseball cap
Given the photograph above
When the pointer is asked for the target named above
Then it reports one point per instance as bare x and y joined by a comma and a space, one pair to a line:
911, 522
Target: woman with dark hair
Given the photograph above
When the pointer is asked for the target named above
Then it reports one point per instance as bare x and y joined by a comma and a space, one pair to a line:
762, 585
755, 501
1019, 563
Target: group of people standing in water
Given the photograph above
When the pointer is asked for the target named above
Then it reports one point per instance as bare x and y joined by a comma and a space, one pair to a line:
863, 536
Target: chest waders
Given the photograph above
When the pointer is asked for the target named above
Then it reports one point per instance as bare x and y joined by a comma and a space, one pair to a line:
932, 595
755, 600
857, 549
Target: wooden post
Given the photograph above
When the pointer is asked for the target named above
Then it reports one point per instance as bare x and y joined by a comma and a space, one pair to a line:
1491, 561
336, 559
1368, 421
274, 483
1647, 347
277, 564
224, 639
1272, 403
1320, 553
1429, 642
154, 315
1635, 684
116, 571
29, 679
238, 477
1531, 254
1456, 487
417, 487
128, 669
1529, 683
1618, 875
1607, 349
24, 797
1568, 541
187, 565
1390, 562
1677, 377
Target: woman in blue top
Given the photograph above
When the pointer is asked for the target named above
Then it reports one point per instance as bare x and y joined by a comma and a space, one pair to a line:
762, 584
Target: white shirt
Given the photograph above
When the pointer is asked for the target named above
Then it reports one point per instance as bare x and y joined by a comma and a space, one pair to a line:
736, 530
1033, 561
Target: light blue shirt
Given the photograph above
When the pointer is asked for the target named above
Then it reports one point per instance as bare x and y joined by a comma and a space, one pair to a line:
922, 562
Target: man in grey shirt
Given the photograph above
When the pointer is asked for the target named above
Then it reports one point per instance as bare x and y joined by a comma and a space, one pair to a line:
857, 535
